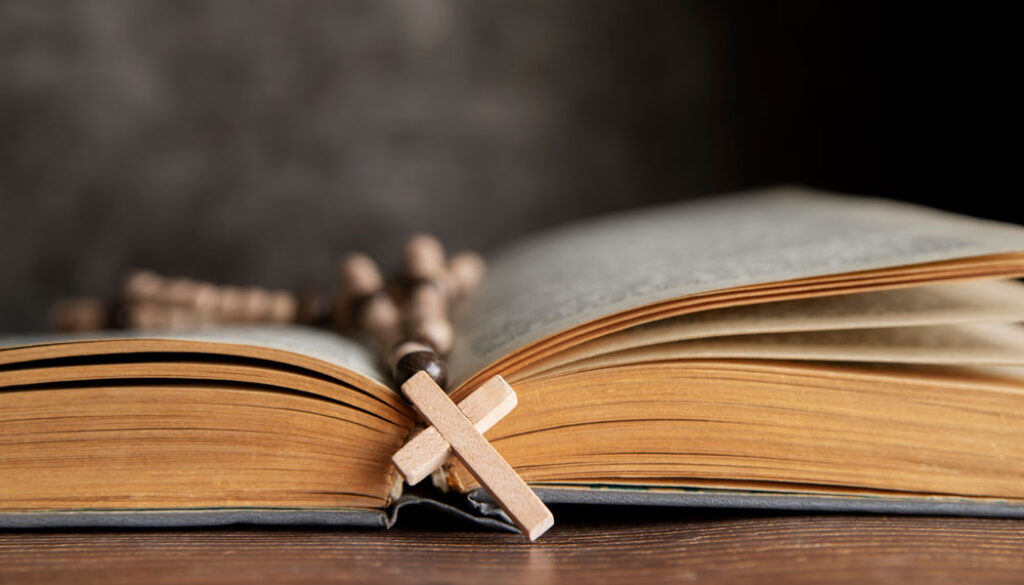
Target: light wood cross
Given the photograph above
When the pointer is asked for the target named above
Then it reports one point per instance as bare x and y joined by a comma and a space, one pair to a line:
459, 430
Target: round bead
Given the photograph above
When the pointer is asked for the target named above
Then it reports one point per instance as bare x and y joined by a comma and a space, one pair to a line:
232, 304
423, 257
426, 302
379, 318
314, 309
206, 298
359, 276
405, 347
359, 279
180, 291
180, 318
147, 316
142, 285
78, 314
426, 361
466, 272
256, 304
437, 332
282, 307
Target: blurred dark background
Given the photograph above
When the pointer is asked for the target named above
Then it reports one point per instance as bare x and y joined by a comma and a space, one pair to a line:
254, 142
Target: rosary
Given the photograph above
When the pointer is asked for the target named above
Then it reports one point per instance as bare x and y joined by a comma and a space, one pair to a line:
406, 320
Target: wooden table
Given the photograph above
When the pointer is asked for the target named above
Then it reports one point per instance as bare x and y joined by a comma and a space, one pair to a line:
595, 545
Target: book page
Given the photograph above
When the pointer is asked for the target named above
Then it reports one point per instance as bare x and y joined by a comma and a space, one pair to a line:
579, 273
999, 301
981, 344
334, 349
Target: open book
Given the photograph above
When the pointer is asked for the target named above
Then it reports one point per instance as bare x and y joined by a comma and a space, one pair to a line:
783, 348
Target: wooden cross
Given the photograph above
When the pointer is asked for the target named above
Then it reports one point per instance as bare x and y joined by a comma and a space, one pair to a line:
459, 429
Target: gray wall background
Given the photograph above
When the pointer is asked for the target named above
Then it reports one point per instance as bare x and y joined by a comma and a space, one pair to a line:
254, 142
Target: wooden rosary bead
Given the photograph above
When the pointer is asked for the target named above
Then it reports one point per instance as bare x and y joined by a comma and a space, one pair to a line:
423, 258
283, 307
150, 315
180, 318
142, 285
205, 299
231, 308
426, 301
465, 273
379, 318
147, 315
359, 279
359, 276
256, 305
179, 291
427, 361
78, 314
437, 332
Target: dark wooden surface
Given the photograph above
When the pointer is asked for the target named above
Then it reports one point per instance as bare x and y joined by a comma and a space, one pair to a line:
646, 546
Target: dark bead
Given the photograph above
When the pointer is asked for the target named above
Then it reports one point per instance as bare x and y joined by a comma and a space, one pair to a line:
118, 317
427, 361
314, 310
357, 305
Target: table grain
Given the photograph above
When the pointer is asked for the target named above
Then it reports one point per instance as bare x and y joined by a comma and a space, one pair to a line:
591, 545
